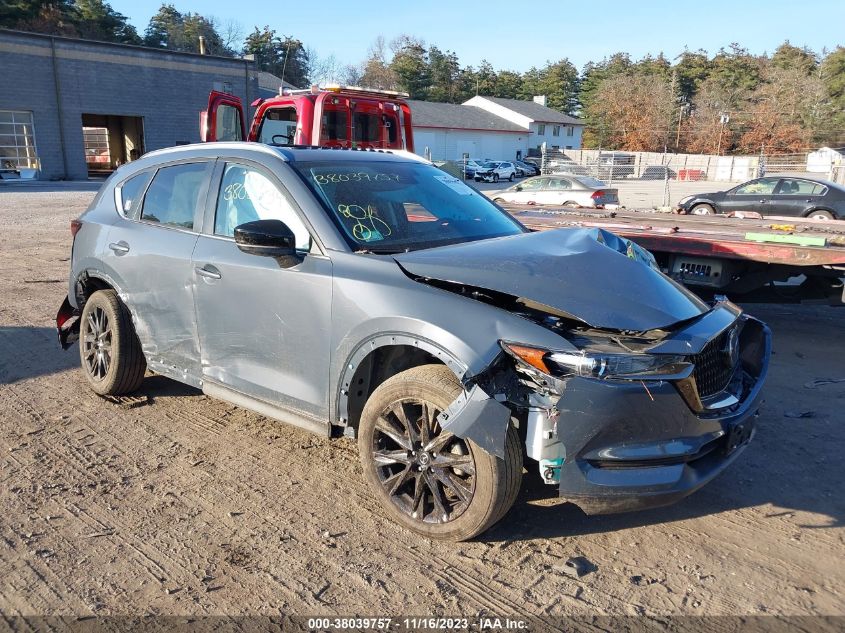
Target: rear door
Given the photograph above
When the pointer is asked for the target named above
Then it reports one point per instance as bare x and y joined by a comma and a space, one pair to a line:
794, 196
224, 118
149, 255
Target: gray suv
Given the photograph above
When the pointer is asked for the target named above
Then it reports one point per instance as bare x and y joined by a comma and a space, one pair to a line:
371, 295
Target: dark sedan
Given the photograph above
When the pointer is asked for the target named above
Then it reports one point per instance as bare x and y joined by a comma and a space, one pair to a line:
773, 195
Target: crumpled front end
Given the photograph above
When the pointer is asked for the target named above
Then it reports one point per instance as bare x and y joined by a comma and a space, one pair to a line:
614, 444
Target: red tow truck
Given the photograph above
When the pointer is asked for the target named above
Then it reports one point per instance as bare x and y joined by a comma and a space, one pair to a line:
332, 116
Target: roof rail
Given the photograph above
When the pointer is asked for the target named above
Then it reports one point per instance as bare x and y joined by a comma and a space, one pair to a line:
374, 92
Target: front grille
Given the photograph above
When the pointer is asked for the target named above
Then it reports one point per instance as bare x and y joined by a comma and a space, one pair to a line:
713, 369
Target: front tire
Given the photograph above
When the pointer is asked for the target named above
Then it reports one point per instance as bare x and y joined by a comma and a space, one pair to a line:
702, 209
109, 350
428, 480
495, 177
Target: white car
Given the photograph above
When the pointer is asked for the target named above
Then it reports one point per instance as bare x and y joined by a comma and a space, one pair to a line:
562, 191
494, 171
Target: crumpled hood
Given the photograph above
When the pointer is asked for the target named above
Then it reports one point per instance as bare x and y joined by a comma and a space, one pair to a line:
602, 279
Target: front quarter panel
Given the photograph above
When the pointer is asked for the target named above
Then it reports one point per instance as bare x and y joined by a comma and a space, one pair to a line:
373, 298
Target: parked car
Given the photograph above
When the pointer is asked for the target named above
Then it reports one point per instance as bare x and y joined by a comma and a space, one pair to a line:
562, 164
526, 169
572, 191
774, 195
372, 295
614, 165
658, 172
494, 171
470, 167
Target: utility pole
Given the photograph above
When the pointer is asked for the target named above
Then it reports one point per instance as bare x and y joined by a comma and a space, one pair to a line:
723, 120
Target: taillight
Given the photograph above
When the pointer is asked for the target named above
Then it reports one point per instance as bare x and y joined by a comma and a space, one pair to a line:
597, 194
75, 225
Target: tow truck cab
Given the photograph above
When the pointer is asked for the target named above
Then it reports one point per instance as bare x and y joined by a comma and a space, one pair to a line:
333, 116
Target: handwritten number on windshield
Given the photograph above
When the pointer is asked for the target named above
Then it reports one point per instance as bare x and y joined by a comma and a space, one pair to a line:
367, 225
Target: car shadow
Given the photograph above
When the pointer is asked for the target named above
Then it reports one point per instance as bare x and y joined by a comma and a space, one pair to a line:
29, 352
757, 478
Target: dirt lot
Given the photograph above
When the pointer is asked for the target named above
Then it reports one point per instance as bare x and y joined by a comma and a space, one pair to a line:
173, 503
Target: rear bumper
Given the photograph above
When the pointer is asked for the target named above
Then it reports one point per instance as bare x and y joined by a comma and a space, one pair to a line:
632, 445
67, 324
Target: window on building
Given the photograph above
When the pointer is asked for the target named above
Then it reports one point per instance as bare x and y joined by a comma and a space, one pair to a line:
17, 140
172, 195
570, 130
97, 155
556, 130
541, 129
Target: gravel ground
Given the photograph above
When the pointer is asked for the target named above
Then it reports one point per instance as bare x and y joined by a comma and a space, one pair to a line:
173, 503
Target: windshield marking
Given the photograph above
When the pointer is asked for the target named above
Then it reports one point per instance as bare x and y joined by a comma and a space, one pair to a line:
325, 179
361, 231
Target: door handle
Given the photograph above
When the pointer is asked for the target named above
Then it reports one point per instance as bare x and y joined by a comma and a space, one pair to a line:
208, 271
119, 248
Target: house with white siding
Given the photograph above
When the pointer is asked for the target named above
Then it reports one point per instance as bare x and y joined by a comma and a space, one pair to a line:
543, 124
490, 127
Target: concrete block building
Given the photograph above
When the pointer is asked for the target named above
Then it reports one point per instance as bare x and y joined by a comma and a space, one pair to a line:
71, 107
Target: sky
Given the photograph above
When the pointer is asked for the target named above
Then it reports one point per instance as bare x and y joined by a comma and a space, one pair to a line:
519, 35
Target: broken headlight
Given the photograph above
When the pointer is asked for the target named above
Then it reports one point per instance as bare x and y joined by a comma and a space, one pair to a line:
600, 364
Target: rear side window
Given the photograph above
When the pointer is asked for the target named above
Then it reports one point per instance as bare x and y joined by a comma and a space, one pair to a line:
173, 194
131, 192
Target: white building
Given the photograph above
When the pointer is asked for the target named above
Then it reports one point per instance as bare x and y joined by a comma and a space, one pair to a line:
544, 125
489, 127
824, 158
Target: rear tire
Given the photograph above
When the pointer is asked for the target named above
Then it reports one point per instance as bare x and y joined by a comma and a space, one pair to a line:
510, 178
820, 214
109, 350
414, 485
571, 204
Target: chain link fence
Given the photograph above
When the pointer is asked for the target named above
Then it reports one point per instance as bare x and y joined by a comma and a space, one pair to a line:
654, 179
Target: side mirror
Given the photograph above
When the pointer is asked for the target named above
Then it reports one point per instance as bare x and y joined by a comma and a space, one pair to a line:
518, 188
271, 238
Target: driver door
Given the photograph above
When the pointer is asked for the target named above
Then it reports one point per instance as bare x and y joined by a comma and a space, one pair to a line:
264, 329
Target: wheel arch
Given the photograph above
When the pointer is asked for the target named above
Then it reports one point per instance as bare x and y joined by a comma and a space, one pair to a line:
815, 208
376, 359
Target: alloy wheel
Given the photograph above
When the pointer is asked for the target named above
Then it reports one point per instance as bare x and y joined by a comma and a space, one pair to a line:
97, 344
428, 473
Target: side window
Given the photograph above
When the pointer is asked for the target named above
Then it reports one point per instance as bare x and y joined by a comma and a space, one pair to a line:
532, 184
763, 186
798, 187
172, 196
130, 194
246, 194
227, 123
278, 126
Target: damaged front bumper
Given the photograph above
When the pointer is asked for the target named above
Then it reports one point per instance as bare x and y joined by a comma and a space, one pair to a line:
631, 445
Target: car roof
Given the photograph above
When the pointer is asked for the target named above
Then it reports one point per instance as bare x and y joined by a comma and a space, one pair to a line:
287, 153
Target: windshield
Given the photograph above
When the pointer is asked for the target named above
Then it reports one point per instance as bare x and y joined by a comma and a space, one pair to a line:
490, 164
390, 207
